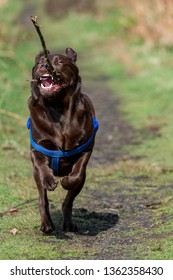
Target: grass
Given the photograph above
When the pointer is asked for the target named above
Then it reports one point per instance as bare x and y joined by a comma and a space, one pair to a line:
147, 101
142, 78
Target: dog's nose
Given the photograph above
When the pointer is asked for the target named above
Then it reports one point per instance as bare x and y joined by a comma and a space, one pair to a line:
46, 65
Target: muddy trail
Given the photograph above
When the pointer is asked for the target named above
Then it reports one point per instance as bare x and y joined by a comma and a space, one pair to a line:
113, 133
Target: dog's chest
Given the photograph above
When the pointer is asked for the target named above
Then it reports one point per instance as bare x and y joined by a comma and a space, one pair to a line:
67, 128
59, 129
68, 136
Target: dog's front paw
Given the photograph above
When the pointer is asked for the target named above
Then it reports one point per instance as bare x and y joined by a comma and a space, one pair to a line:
68, 182
50, 182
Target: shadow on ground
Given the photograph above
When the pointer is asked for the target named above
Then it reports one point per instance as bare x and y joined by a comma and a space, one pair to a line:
89, 223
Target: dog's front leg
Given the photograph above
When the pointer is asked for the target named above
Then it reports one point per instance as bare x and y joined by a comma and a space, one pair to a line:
44, 173
47, 225
45, 181
76, 175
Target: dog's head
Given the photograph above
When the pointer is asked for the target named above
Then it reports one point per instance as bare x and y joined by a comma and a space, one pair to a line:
66, 71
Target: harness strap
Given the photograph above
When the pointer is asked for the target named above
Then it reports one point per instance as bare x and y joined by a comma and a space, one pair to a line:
55, 165
57, 154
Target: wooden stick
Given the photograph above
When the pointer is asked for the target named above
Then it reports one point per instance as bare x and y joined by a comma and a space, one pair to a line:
33, 80
51, 69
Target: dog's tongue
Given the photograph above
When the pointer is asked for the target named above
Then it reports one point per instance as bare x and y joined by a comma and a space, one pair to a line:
46, 81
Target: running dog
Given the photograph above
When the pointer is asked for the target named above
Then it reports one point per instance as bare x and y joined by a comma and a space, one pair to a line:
62, 128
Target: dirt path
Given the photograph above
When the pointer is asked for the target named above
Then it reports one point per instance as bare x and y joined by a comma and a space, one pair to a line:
113, 133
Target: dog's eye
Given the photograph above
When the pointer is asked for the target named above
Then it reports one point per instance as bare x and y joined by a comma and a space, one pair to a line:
46, 65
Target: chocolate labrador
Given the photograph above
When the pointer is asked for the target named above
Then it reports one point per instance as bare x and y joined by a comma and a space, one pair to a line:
62, 131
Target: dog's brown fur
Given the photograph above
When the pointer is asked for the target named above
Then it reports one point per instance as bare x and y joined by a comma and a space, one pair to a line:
61, 118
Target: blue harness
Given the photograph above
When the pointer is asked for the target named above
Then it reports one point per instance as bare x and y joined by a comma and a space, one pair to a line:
56, 155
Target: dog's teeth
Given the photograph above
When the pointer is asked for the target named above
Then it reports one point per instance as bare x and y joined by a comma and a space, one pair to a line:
46, 76
46, 87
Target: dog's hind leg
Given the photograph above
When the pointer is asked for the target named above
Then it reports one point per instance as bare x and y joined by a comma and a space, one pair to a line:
68, 224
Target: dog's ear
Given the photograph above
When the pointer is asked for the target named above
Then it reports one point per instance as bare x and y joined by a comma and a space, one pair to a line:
71, 54
40, 55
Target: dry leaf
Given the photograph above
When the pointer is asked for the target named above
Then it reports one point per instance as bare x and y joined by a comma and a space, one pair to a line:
13, 211
14, 231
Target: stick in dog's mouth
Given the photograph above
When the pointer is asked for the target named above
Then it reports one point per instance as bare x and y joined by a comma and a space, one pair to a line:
51, 69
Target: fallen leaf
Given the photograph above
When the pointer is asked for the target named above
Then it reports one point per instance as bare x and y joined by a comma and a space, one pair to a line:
13, 211
14, 231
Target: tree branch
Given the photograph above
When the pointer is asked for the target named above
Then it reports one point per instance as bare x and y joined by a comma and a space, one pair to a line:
50, 69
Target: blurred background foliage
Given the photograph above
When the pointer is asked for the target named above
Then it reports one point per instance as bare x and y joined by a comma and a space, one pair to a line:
151, 21
148, 20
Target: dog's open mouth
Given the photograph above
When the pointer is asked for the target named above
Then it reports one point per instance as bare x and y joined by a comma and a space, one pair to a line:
47, 84
46, 81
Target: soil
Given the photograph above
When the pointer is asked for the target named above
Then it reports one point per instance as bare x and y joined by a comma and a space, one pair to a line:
113, 133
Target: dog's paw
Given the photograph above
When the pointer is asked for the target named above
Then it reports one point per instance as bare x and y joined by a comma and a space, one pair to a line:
47, 227
50, 182
69, 226
68, 182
